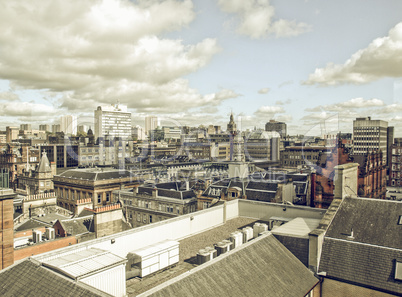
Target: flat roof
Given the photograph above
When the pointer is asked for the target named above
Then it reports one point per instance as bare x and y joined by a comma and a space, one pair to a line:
188, 250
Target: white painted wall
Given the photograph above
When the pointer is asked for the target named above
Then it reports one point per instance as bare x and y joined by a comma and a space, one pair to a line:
112, 281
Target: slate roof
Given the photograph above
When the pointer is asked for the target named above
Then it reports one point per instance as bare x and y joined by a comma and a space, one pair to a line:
31, 224
28, 278
74, 226
261, 267
362, 244
44, 165
263, 186
95, 174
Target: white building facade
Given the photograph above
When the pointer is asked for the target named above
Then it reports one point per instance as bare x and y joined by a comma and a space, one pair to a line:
112, 121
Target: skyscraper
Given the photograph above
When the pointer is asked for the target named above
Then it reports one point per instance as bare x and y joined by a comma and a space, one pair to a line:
151, 123
370, 135
274, 126
68, 124
112, 121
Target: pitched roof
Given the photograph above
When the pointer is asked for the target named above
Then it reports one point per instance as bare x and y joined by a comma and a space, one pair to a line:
74, 226
95, 174
362, 244
261, 267
29, 278
44, 165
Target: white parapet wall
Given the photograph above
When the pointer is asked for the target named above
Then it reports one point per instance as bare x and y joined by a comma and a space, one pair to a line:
188, 225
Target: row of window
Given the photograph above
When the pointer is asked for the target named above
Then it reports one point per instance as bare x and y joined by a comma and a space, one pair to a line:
77, 195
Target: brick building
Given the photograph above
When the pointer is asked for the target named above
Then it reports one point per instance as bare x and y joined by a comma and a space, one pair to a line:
395, 166
6, 228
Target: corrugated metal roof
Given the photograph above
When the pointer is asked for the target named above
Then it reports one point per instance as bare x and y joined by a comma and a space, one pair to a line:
85, 262
298, 227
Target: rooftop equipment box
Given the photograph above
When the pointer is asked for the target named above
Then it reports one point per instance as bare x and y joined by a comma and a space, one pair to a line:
153, 257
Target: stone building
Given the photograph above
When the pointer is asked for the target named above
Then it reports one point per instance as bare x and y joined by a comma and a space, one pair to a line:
94, 183
294, 156
38, 180
15, 157
276, 126
150, 204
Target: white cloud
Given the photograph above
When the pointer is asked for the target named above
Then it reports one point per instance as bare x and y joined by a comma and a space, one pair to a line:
98, 51
264, 91
29, 109
257, 19
382, 58
354, 103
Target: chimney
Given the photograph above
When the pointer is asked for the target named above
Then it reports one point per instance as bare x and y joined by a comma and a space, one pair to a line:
154, 193
346, 180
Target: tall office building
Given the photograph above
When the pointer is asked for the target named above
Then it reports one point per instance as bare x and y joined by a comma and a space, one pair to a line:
25, 127
68, 124
274, 126
370, 135
112, 121
44, 127
151, 123
56, 128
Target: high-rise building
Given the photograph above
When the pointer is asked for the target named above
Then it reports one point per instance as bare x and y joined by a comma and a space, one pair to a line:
82, 128
274, 126
138, 133
44, 127
112, 121
25, 127
370, 135
56, 128
11, 133
151, 123
68, 124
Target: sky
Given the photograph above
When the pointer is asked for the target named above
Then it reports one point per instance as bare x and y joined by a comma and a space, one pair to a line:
314, 64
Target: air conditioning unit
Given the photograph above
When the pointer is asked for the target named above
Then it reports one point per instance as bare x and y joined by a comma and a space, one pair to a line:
205, 255
248, 234
237, 238
223, 247
259, 228
50, 234
36, 236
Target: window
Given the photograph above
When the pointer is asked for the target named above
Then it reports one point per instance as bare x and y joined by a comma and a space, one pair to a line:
107, 197
400, 220
99, 198
150, 219
138, 217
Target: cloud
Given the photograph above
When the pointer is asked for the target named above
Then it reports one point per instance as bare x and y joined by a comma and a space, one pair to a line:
264, 91
29, 109
269, 110
279, 102
354, 103
98, 51
256, 19
8, 96
382, 58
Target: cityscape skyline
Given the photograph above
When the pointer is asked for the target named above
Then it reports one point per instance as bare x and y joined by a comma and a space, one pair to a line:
203, 59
